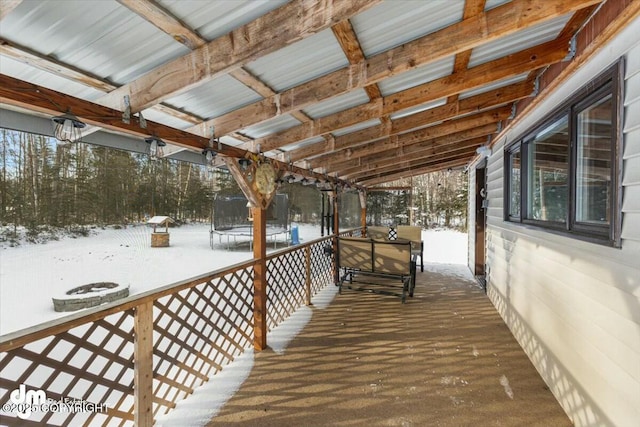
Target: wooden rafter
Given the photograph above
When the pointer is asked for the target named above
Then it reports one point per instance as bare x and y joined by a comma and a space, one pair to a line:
394, 147
399, 156
165, 21
358, 114
508, 66
290, 23
58, 68
409, 166
414, 137
416, 171
485, 27
37, 98
425, 147
348, 40
461, 62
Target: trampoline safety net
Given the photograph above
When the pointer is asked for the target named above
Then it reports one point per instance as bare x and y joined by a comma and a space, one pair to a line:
232, 212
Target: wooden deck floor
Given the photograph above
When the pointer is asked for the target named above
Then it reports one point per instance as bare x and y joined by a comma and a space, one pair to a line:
445, 358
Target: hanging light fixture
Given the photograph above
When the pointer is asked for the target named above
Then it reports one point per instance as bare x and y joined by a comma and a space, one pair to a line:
155, 147
209, 154
67, 128
244, 163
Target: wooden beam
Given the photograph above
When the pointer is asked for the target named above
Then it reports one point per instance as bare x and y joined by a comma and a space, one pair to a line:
260, 327
383, 178
508, 66
143, 366
494, 98
161, 18
426, 144
438, 131
471, 8
397, 156
37, 98
281, 27
472, 78
348, 40
603, 26
57, 68
486, 27
34, 59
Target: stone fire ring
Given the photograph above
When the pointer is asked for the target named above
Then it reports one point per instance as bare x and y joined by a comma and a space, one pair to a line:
90, 295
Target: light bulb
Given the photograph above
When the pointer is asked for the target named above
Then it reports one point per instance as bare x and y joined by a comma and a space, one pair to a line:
67, 129
153, 148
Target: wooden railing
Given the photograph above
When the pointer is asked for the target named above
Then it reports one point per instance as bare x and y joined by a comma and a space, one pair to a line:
141, 355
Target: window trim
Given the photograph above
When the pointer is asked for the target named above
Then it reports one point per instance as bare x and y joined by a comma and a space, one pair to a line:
609, 81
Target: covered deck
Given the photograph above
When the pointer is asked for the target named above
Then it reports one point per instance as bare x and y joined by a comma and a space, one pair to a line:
343, 94
444, 358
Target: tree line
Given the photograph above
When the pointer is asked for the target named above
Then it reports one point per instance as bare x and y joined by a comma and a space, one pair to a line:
46, 183
61, 185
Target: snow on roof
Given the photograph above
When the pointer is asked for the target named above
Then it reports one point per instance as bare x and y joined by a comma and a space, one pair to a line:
159, 220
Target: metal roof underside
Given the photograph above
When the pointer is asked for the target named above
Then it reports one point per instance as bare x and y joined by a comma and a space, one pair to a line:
332, 89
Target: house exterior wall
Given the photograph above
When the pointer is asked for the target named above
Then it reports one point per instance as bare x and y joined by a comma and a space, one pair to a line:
574, 306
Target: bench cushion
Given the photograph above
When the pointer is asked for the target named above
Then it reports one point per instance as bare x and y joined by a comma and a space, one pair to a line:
355, 252
392, 257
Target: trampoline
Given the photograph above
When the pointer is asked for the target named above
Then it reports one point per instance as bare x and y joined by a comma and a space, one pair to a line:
231, 219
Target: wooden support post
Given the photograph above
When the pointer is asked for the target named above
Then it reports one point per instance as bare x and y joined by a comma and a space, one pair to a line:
143, 364
336, 230
307, 253
260, 278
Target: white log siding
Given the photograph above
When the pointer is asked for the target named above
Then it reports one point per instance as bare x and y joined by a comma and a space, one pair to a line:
574, 306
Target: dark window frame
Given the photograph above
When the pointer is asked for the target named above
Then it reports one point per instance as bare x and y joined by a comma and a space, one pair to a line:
609, 81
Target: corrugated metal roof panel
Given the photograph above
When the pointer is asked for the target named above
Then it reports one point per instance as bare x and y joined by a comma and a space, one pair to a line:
494, 85
166, 119
215, 98
356, 127
490, 4
105, 38
337, 104
226, 139
418, 108
417, 76
275, 125
299, 62
393, 23
13, 68
304, 143
212, 19
521, 40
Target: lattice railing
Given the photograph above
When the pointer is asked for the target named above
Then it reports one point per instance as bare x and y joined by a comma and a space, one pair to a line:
164, 343
287, 284
321, 266
92, 362
197, 327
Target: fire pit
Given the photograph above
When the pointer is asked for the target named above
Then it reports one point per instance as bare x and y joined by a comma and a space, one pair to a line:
90, 295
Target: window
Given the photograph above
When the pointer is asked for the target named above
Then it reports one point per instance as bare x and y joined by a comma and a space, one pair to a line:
514, 167
563, 174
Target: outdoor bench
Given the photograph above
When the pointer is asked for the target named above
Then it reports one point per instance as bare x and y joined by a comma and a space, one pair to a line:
408, 232
379, 266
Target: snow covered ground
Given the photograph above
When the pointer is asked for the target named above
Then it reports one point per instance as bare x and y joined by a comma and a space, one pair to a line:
31, 274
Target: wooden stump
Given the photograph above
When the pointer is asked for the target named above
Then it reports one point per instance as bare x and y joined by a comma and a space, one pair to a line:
159, 240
